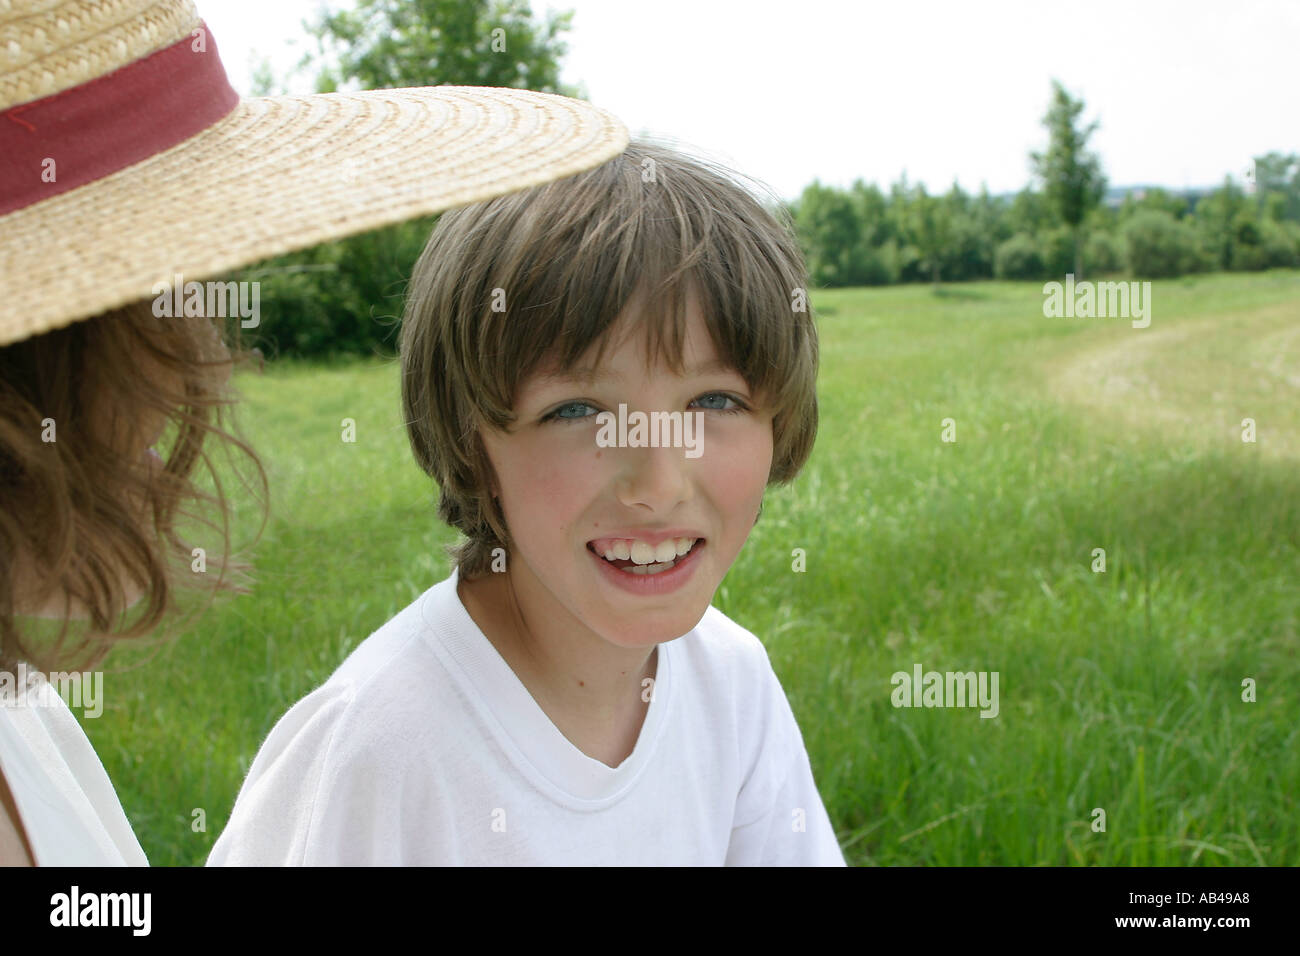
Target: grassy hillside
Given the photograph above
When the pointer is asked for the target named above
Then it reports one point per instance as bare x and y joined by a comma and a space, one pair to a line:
1119, 691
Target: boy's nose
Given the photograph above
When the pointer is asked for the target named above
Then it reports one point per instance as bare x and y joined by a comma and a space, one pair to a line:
654, 478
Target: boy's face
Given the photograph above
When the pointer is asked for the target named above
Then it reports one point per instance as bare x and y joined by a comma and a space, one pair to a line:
564, 495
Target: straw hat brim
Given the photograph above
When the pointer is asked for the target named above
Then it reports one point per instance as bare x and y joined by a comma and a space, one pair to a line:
280, 174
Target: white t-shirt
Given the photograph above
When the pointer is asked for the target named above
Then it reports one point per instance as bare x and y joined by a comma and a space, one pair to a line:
424, 748
66, 803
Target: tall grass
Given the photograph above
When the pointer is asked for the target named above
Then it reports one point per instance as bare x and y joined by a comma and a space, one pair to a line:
1120, 691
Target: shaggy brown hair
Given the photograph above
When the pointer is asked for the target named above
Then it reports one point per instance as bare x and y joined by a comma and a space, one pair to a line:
567, 257
87, 522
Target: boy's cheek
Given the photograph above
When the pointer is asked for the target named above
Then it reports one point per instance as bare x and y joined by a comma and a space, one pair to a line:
556, 475
741, 456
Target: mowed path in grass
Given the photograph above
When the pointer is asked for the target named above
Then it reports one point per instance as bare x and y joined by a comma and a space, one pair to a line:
1119, 691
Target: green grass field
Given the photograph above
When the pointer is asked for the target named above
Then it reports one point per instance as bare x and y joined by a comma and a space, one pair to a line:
1119, 690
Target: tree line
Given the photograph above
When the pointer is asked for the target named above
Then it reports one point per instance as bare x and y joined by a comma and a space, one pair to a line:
1056, 226
345, 297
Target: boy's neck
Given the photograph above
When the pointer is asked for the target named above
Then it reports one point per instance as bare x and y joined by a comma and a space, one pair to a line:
590, 689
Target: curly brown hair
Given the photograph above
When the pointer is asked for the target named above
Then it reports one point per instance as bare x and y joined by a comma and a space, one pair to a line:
90, 521
567, 257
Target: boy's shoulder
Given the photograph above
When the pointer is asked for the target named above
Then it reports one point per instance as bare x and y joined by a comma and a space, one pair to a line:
377, 662
387, 678
720, 643
727, 667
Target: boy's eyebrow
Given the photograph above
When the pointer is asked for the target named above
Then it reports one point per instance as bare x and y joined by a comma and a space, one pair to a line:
587, 375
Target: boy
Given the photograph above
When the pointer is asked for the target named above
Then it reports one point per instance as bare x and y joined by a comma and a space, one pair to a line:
568, 696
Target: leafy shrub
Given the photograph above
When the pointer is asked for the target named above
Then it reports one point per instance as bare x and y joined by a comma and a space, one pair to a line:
1158, 245
1103, 254
1057, 246
337, 298
1264, 245
969, 254
879, 264
1019, 258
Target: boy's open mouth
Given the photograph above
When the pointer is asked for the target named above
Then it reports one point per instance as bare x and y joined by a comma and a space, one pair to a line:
633, 556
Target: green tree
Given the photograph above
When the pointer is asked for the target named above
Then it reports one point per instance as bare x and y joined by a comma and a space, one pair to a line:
907, 256
345, 296
1028, 214
878, 257
1277, 181
1217, 217
1154, 200
388, 44
265, 82
1073, 183
990, 217
930, 219
873, 212
969, 251
831, 234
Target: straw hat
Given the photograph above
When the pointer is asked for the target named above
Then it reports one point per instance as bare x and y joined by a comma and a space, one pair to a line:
126, 157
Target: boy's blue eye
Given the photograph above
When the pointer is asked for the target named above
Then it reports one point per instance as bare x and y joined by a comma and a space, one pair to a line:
566, 412
724, 397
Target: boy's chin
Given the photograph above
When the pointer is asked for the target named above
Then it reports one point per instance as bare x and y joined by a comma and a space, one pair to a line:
654, 629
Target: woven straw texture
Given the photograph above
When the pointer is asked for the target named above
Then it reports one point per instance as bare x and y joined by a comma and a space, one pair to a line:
47, 46
276, 175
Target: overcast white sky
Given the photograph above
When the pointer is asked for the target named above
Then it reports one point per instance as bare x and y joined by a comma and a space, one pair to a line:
1186, 91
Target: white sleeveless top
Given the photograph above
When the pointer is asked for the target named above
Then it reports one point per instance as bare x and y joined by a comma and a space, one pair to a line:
66, 803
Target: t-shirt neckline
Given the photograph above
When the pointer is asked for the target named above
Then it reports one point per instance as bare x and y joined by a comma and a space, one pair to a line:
525, 730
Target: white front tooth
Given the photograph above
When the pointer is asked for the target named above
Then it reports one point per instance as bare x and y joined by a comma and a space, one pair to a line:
684, 545
666, 550
622, 551
641, 552
609, 554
